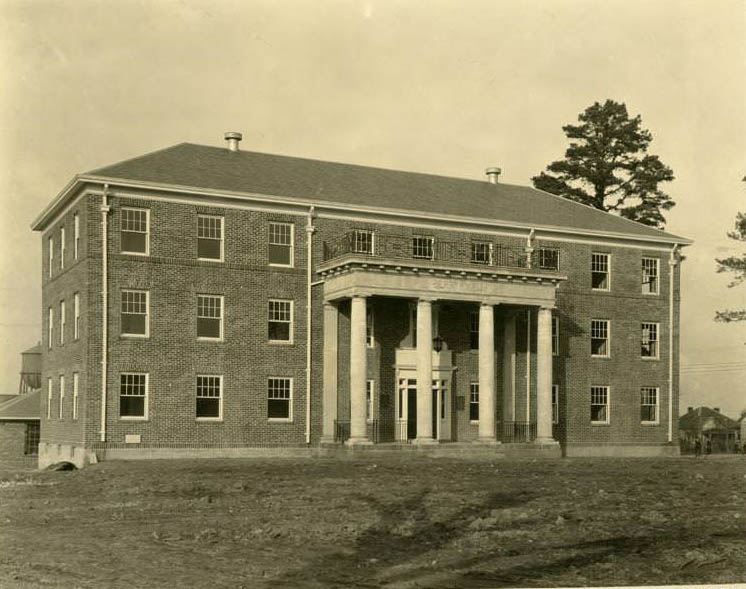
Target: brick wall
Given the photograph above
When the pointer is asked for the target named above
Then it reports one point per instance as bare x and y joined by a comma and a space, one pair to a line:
12, 445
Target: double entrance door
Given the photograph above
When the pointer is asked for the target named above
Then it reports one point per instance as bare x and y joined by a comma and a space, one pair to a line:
406, 409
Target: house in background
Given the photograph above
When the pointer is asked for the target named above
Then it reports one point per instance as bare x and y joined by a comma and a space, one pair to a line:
207, 301
705, 424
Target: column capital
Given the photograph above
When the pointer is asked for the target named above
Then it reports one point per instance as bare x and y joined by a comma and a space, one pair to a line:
360, 295
428, 300
547, 308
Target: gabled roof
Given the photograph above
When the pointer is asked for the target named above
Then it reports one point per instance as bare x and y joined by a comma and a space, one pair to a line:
704, 419
22, 407
319, 182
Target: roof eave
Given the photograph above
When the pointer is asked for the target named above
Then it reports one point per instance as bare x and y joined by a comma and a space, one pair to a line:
59, 201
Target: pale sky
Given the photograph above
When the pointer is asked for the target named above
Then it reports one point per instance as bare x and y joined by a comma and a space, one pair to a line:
446, 87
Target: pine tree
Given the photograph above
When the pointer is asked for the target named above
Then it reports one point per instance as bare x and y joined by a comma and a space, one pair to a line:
607, 166
737, 265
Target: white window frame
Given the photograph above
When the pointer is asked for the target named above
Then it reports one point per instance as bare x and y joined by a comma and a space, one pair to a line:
61, 408
472, 385
221, 318
607, 390
490, 255
370, 399
62, 247
555, 404
76, 318
473, 323
417, 256
50, 392
289, 418
608, 338
657, 340
555, 335
50, 327
147, 314
645, 283
222, 237
220, 398
657, 405
370, 335
76, 378
62, 323
358, 243
50, 250
146, 401
147, 232
291, 245
608, 270
291, 322
76, 235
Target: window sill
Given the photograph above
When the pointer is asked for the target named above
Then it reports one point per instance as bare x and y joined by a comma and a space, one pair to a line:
209, 419
214, 260
601, 357
281, 265
140, 419
279, 420
133, 336
473, 422
279, 342
140, 254
600, 289
209, 339
600, 423
649, 358
650, 423
651, 294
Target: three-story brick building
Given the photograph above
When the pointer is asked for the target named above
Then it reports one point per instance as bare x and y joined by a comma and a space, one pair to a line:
211, 301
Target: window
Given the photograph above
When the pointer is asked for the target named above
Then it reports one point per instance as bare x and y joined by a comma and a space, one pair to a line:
279, 399
362, 242
209, 397
135, 231
600, 271
280, 244
369, 336
135, 313
33, 435
474, 330
133, 396
50, 250
75, 395
600, 338
280, 321
413, 325
62, 322
474, 401
600, 404
50, 327
62, 248
555, 336
649, 340
548, 258
76, 236
440, 393
76, 318
555, 403
370, 400
210, 237
422, 247
49, 398
649, 404
650, 275
210, 317
481, 252
62, 398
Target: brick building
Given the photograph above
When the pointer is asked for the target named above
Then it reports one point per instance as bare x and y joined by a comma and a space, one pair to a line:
437, 310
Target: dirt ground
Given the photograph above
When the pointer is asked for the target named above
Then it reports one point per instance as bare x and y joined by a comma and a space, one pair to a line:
379, 521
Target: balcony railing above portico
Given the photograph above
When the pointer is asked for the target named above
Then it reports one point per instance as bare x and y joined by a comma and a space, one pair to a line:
477, 254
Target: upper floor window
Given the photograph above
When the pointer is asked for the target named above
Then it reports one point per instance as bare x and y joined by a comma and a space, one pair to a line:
649, 348
61, 408
555, 403
135, 231
423, 247
62, 248
210, 237
135, 313
76, 236
474, 330
62, 322
209, 397
548, 258
133, 396
280, 321
369, 335
649, 405
75, 395
280, 399
50, 252
600, 404
600, 337
76, 316
370, 400
50, 392
362, 242
50, 326
474, 401
650, 267
555, 336
281, 244
210, 317
481, 252
600, 271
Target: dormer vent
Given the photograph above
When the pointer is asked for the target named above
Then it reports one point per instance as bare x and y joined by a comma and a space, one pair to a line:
233, 138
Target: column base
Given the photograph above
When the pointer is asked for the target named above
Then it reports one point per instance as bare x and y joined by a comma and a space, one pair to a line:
328, 440
425, 441
358, 442
546, 442
487, 442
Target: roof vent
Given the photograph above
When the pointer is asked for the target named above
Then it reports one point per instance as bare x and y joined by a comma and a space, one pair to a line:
493, 174
716, 409
233, 138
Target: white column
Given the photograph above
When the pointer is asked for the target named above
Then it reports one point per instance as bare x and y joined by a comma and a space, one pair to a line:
358, 370
424, 372
509, 369
544, 377
486, 373
329, 409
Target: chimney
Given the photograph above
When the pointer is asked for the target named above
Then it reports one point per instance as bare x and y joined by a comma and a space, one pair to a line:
493, 174
689, 409
233, 138
716, 409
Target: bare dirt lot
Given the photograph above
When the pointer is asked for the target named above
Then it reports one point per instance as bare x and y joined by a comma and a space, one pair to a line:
379, 521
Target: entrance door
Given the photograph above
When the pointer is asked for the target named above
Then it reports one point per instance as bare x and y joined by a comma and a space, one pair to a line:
412, 411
